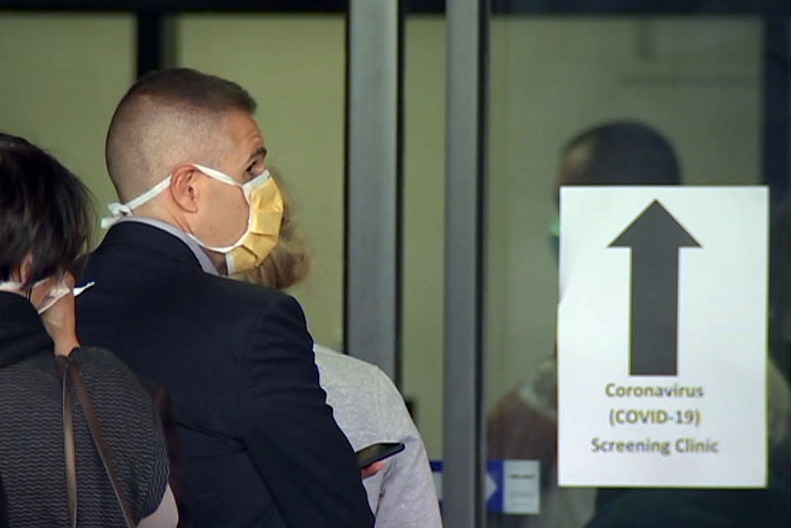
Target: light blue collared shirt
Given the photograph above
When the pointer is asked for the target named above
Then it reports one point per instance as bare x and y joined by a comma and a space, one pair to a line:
204, 260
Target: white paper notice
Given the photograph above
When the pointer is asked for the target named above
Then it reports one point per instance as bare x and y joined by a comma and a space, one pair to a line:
521, 487
662, 336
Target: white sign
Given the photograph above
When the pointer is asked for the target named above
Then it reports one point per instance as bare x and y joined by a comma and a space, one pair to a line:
662, 336
510, 486
521, 490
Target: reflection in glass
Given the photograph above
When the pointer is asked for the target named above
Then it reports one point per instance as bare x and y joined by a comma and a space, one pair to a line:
622, 101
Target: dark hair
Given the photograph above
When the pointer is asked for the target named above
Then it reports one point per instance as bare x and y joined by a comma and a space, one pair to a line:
625, 153
190, 88
45, 211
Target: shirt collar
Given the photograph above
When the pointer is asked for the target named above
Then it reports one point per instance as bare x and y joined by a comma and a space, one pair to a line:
203, 259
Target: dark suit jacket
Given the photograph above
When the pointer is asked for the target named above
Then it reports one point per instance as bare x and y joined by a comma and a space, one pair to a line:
164, 406
259, 444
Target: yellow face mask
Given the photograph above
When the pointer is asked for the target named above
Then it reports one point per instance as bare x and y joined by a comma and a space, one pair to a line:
263, 222
263, 231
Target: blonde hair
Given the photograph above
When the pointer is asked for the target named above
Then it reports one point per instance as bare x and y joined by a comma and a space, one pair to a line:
291, 260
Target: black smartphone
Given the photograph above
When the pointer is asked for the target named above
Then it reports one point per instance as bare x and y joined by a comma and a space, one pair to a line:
376, 452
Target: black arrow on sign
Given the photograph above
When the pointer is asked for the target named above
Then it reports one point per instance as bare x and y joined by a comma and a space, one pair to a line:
655, 238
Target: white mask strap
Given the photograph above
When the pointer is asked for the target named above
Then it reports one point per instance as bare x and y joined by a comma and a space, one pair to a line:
258, 181
246, 188
11, 286
119, 210
221, 176
55, 294
217, 175
58, 290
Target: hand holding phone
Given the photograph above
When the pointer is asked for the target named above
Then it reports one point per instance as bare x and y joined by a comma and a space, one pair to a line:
376, 452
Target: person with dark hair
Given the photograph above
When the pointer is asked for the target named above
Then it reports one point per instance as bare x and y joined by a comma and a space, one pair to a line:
367, 405
619, 153
258, 441
523, 424
45, 223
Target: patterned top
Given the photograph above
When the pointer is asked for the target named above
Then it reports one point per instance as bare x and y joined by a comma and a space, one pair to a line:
31, 436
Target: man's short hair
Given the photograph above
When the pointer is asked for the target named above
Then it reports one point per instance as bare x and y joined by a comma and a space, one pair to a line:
623, 153
45, 211
166, 114
192, 89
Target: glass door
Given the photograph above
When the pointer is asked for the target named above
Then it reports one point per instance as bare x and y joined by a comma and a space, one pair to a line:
587, 104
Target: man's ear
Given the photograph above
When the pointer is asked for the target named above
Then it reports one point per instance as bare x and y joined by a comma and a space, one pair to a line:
184, 188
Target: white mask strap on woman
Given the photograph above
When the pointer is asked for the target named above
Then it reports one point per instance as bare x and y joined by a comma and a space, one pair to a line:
56, 293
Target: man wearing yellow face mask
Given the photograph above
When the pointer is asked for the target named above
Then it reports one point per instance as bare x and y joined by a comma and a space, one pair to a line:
258, 442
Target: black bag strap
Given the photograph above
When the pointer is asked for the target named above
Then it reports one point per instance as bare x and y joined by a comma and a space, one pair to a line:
68, 440
72, 377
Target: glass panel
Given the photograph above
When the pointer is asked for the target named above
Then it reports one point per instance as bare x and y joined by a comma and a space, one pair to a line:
424, 224
697, 81
62, 77
299, 85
